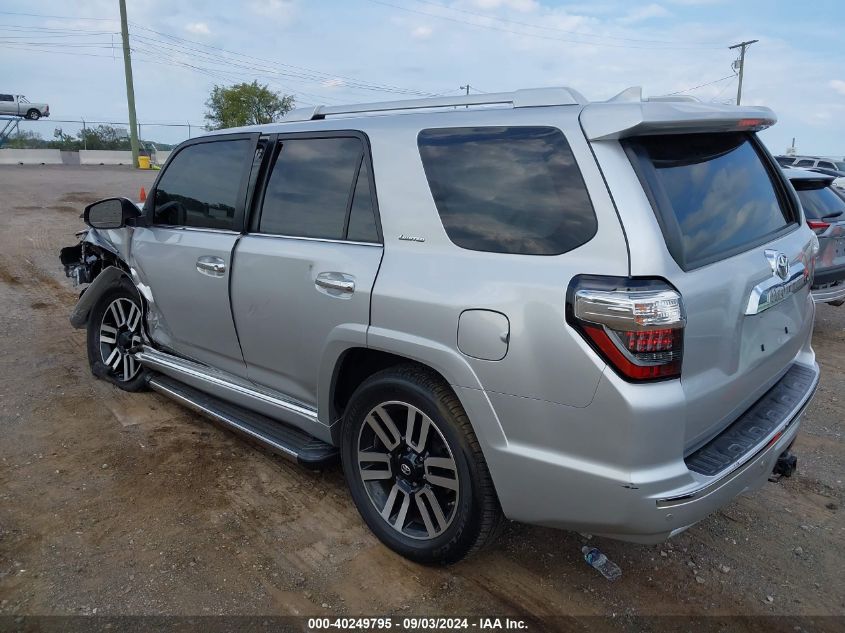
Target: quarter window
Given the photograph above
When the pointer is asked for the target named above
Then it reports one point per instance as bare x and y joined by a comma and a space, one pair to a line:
510, 190
313, 191
202, 185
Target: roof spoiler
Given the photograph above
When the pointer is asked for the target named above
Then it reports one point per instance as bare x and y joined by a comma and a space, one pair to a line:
621, 118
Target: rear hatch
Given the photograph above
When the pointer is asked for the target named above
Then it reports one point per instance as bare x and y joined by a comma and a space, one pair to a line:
824, 210
719, 222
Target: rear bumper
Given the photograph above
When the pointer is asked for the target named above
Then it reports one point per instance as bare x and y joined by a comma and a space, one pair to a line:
827, 276
830, 293
551, 484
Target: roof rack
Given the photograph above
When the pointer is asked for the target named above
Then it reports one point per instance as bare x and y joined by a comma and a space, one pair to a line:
526, 98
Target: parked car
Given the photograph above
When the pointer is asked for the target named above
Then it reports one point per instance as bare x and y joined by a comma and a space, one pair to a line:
824, 210
811, 161
18, 105
838, 176
574, 314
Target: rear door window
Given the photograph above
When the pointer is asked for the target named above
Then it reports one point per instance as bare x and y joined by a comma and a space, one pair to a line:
714, 194
513, 190
203, 186
804, 163
319, 188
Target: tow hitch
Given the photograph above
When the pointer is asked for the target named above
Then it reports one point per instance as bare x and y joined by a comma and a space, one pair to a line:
786, 464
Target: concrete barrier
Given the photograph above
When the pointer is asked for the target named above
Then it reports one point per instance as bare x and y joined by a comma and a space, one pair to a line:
104, 157
30, 157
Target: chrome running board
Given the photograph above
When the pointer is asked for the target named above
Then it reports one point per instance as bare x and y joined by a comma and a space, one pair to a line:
283, 440
235, 390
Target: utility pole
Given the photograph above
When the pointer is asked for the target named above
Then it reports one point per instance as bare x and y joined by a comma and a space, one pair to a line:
130, 89
742, 46
467, 87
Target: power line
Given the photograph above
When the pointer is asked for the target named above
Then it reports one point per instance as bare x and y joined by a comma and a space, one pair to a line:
535, 35
709, 83
316, 75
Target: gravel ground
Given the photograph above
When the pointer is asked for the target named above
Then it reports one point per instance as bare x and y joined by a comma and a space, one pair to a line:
115, 504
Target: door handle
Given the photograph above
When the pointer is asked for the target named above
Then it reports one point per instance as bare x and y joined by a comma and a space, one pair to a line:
336, 283
211, 266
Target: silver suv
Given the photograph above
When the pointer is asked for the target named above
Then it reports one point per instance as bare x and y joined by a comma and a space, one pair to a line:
593, 316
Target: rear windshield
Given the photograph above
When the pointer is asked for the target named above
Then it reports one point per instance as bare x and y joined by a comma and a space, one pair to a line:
713, 194
821, 203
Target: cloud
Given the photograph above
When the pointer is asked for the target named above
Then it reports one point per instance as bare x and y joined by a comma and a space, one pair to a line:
422, 32
640, 14
838, 85
198, 28
523, 6
278, 9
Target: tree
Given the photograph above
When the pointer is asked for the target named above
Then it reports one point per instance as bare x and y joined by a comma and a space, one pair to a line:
245, 104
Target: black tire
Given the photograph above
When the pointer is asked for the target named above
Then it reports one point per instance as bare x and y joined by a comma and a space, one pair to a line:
97, 349
33, 114
475, 514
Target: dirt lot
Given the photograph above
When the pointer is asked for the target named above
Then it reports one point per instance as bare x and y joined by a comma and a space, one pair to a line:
115, 504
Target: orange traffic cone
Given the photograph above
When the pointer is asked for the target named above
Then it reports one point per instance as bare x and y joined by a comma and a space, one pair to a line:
143, 195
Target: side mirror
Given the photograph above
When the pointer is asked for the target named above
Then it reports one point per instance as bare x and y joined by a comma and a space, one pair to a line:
111, 213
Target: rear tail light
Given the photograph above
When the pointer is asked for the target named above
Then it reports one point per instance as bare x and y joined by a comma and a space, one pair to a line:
818, 226
636, 325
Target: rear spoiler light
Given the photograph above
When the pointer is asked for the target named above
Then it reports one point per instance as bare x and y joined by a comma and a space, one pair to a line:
615, 120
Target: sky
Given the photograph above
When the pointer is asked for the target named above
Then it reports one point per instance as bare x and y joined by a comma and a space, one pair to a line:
331, 51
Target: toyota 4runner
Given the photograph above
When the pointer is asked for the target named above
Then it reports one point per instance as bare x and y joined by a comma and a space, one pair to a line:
592, 316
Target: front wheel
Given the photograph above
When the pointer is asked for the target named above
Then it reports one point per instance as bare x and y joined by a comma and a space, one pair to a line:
114, 329
33, 115
415, 468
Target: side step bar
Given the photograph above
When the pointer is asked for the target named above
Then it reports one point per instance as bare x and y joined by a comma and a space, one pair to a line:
281, 439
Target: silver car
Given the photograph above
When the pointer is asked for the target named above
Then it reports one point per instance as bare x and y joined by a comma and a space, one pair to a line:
592, 316
824, 210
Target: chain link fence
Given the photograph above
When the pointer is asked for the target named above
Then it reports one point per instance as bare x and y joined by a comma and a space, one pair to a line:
84, 134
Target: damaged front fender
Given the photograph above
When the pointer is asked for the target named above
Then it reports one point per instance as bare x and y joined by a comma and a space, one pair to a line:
107, 279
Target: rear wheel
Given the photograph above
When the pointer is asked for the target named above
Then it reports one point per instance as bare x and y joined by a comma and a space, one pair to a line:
33, 114
114, 329
415, 469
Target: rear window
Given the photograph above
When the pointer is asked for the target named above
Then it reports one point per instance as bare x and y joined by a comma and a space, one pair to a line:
713, 194
513, 190
820, 202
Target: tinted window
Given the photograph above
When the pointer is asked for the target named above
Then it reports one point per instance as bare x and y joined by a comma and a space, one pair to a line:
712, 192
840, 165
825, 164
310, 187
362, 219
202, 184
6, 98
508, 190
804, 163
819, 203
784, 160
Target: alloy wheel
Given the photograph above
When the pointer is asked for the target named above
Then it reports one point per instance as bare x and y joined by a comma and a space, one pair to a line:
408, 470
119, 332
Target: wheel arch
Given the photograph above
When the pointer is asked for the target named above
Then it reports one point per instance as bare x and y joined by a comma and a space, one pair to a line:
357, 363
110, 277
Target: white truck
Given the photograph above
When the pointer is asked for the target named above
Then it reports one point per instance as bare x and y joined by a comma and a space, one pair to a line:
18, 105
